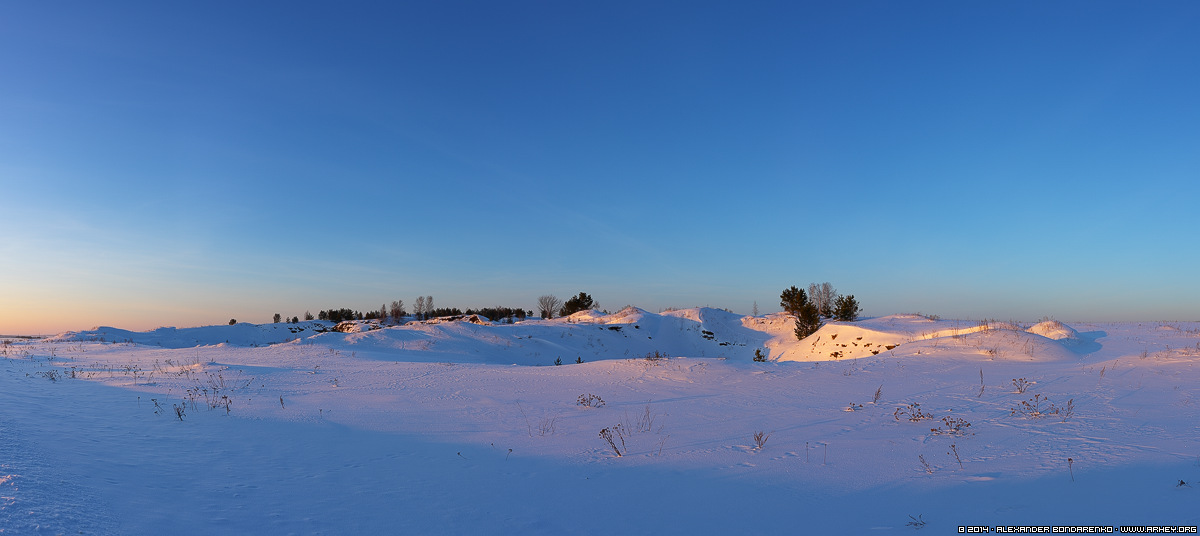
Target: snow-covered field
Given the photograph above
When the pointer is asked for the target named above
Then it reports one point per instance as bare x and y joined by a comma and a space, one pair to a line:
898, 423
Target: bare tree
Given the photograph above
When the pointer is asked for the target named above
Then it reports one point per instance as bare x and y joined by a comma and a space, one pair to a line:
814, 291
548, 304
822, 295
397, 310
428, 305
754, 312
828, 297
419, 307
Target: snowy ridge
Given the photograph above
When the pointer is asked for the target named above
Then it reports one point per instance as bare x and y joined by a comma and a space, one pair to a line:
241, 334
629, 333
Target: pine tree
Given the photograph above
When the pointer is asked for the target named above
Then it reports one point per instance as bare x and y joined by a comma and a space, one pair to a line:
846, 308
582, 302
808, 321
792, 300
808, 318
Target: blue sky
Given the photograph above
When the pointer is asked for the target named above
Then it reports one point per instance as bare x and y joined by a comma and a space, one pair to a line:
184, 163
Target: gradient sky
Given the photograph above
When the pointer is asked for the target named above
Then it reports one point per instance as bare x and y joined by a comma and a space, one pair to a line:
182, 163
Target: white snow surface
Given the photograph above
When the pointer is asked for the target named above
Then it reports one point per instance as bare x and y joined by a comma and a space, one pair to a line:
468, 427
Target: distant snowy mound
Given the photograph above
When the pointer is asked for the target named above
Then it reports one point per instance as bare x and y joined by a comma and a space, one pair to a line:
714, 320
628, 315
776, 322
587, 316
474, 319
241, 334
356, 326
1053, 329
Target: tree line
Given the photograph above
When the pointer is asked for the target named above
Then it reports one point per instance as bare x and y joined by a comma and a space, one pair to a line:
549, 306
820, 301
423, 309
